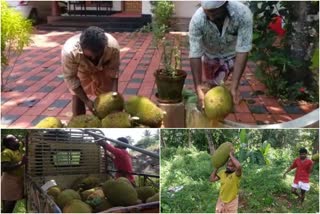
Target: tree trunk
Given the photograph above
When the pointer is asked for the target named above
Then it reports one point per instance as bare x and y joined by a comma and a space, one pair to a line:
210, 141
300, 41
316, 144
189, 138
162, 141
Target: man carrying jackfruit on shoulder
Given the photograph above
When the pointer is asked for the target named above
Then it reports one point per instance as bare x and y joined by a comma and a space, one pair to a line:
220, 38
230, 182
90, 66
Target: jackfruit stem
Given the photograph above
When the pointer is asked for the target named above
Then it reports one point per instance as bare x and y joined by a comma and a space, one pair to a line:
114, 94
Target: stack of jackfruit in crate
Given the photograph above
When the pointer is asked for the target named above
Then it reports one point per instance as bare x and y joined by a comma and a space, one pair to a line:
89, 195
112, 111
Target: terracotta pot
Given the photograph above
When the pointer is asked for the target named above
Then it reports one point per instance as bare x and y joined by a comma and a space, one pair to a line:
169, 88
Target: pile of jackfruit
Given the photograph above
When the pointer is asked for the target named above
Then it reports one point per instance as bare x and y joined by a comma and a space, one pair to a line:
89, 195
112, 111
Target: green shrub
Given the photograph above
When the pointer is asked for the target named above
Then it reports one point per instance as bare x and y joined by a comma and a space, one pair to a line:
15, 32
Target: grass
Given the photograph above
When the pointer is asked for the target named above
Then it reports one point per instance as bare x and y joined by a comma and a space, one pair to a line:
262, 187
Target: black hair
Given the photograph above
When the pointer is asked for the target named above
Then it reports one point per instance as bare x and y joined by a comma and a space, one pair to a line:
8, 139
123, 140
303, 150
93, 38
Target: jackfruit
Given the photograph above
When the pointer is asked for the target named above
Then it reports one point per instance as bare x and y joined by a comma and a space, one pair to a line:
104, 205
120, 193
117, 120
221, 155
85, 194
49, 122
89, 182
66, 196
153, 198
148, 113
84, 121
123, 179
145, 192
315, 157
218, 103
107, 103
77, 206
95, 198
54, 192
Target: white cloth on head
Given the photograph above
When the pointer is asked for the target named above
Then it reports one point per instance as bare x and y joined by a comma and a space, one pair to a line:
208, 5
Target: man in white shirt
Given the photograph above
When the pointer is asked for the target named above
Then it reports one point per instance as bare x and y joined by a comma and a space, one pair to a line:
220, 37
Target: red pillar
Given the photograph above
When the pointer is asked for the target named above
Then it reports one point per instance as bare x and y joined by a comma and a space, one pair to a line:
55, 10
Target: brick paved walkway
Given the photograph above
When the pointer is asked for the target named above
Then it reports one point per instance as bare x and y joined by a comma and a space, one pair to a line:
36, 89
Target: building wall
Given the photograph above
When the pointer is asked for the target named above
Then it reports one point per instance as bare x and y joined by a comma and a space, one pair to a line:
146, 8
116, 6
185, 9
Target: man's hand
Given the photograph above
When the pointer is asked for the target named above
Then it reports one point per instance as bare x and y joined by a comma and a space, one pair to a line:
89, 103
200, 99
24, 160
236, 96
101, 143
231, 154
284, 175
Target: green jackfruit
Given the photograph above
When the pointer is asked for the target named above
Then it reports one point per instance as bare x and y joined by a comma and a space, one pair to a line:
85, 194
89, 182
104, 205
84, 121
107, 103
148, 113
117, 120
218, 103
123, 179
153, 198
77, 206
145, 192
315, 157
66, 196
221, 155
120, 193
49, 122
54, 192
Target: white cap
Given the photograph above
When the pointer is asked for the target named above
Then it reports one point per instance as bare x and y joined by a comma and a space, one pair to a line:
209, 4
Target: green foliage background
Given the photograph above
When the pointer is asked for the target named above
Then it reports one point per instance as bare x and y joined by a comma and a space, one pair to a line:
264, 155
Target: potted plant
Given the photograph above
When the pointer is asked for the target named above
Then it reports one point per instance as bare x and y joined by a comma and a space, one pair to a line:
169, 77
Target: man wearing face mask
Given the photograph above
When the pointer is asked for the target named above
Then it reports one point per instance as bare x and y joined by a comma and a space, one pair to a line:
230, 182
301, 179
90, 66
12, 167
220, 37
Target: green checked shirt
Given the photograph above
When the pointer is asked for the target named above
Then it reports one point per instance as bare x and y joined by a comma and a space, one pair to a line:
205, 38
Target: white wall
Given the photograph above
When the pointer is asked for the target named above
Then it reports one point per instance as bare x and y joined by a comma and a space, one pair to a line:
146, 7
185, 9
116, 5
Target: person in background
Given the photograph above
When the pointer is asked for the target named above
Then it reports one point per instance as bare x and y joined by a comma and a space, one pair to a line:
303, 166
122, 159
12, 167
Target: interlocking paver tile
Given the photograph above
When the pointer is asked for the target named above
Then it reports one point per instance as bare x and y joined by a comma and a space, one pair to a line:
36, 88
